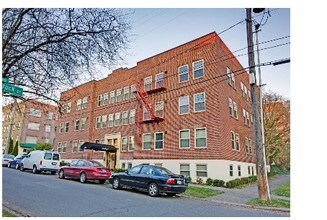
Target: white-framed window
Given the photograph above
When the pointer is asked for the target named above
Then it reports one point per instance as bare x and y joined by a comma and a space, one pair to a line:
232, 137
125, 118
74, 147
111, 120
77, 124
84, 105
244, 116
98, 122
184, 105
59, 147
251, 146
248, 119
123, 144
126, 93
104, 121
158, 140
146, 114
200, 137
230, 106
160, 80
231, 170
237, 142
183, 73
79, 104
80, 142
131, 143
201, 170
35, 112
235, 110
148, 83
184, 138
132, 116
123, 165
64, 147
133, 91
83, 122
199, 102
247, 150
146, 141
239, 170
249, 170
47, 128
112, 97
50, 115
158, 164
117, 119
105, 99
62, 127
229, 76
118, 95
184, 169
159, 109
66, 126
198, 69
33, 126
99, 100
233, 80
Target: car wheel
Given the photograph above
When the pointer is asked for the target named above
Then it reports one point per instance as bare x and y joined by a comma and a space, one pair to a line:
82, 178
21, 168
171, 194
17, 166
9, 165
116, 183
34, 171
53, 172
153, 189
102, 181
61, 174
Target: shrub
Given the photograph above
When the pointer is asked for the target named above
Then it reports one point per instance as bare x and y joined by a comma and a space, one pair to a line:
118, 170
218, 183
233, 183
252, 178
209, 181
199, 180
63, 163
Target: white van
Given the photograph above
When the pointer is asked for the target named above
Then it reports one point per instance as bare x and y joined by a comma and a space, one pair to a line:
39, 161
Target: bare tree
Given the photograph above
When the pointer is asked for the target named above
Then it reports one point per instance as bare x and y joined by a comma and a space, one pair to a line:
44, 49
277, 129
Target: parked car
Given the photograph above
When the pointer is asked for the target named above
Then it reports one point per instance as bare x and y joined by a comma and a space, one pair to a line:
39, 161
152, 179
85, 170
6, 158
16, 161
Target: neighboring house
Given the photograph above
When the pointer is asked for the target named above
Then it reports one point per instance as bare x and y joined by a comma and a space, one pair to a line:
187, 109
34, 122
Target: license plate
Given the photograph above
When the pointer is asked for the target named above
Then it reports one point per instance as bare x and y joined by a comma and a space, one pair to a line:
179, 182
54, 163
103, 170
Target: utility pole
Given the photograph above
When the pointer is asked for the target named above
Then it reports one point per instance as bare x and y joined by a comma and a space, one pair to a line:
260, 161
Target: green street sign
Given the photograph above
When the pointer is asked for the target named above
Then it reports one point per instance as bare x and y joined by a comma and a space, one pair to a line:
11, 89
5, 80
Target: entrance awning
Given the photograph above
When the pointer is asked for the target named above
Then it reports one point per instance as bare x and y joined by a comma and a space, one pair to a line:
27, 145
98, 147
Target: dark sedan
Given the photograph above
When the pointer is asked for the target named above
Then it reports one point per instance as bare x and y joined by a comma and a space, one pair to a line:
85, 170
16, 162
152, 179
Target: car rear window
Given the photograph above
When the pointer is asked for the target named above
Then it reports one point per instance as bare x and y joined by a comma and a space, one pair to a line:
164, 171
9, 156
47, 156
95, 164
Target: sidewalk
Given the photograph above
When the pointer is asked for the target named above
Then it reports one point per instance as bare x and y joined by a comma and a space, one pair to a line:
244, 195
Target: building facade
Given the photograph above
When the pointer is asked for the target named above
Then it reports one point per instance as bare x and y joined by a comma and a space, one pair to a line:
187, 109
34, 122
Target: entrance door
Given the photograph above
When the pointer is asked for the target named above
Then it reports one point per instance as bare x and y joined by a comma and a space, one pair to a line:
111, 158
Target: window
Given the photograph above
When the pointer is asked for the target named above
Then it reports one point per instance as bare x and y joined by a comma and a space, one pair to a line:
160, 80
199, 102
50, 115
64, 147
112, 97
126, 93
239, 170
47, 128
79, 104
105, 99
146, 141
84, 105
250, 146
59, 147
125, 118
184, 169
232, 108
183, 73
123, 165
247, 150
123, 143
104, 121
201, 170
252, 169
135, 170
75, 146
198, 69
118, 95
159, 109
184, 105
67, 127
148, 83
77, 124
117, 118
46, 140
158, 164
131, 143
233, 80
129, 165
35, 112
184, 139
248, 119
33, 126
80, 144
111, 120
133, 91
231, 170
159, 140
83, 121
249, 170
229, 76
235, 110
132, 116
146, 114
99, 100
244, 116
237, 141
62, 127
200, 137
98, 122
232, 137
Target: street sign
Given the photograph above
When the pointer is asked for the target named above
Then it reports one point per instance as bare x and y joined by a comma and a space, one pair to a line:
4, 80
11, 89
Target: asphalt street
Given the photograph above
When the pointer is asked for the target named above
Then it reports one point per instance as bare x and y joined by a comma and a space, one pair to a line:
45, 195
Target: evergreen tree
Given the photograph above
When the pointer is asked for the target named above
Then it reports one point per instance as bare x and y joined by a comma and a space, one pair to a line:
15, 150
11, 146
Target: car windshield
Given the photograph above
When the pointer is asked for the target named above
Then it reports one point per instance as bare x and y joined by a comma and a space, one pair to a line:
55, 157
164, 171
95, 164
8, 156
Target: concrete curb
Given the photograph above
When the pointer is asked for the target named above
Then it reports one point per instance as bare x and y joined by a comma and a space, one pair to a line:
13, 212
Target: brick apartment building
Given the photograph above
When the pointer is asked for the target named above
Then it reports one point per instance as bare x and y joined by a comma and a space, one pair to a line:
34, 122
187, 109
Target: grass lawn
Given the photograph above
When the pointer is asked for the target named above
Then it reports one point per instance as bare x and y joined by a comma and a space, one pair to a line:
200, 192
283, 190
7, 214
280, 203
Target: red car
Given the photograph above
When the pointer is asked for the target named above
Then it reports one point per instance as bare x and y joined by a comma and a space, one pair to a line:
85, 170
